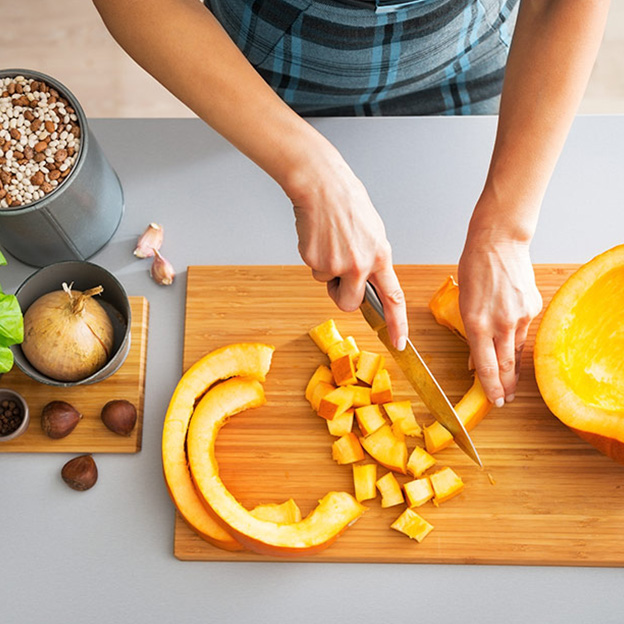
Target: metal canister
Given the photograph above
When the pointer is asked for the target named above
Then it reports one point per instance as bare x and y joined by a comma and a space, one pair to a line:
77, 218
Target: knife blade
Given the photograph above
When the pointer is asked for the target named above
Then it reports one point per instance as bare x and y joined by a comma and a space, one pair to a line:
419, 375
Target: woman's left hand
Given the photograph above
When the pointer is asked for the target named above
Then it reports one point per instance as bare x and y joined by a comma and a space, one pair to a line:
498, 300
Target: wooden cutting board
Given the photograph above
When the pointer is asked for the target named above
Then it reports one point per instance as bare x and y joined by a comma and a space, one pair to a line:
90, 435
554, 501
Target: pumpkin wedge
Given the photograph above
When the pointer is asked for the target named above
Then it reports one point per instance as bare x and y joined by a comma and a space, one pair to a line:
248, 359
335, 512
444, 305
579, 353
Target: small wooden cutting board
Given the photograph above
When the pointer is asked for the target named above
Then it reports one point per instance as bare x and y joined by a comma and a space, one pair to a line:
551, 499
90, 435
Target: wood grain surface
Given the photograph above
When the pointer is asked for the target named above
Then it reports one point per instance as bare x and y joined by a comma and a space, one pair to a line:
90, 435
554, 500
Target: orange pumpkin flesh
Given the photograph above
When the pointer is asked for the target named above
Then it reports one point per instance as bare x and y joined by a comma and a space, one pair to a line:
579, 353
444, 306
250, 359
335, 512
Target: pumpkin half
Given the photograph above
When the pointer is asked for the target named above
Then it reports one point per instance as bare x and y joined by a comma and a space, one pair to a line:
579, 353
335, 512
249, 359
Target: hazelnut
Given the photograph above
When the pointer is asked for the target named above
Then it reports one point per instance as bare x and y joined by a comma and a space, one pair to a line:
59, 419
119, 416
80, 473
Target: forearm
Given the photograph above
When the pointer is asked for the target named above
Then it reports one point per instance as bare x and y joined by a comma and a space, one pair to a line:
183, 46
553, 50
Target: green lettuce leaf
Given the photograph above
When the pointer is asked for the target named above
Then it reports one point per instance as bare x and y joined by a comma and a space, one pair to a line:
11, 321
6, 359
2, 259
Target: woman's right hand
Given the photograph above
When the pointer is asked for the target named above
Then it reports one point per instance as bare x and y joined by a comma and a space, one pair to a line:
343, 240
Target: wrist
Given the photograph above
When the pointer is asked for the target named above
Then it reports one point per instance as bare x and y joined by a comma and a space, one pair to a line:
308, 161
499, 218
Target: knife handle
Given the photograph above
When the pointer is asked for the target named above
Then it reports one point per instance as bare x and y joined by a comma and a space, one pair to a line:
372, 298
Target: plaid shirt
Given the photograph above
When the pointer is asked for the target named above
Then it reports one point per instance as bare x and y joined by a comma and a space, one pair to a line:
355, 57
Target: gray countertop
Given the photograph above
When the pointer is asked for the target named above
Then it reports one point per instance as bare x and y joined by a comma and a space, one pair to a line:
106, 555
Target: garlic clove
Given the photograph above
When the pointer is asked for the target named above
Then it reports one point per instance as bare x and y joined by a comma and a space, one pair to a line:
149, 241
162, 271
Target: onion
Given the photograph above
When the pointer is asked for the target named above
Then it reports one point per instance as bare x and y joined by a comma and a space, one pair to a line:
67, 334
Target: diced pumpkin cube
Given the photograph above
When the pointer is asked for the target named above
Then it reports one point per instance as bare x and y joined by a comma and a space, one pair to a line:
282, 513
322, 373
347, 346
437, 437
446, 483
364, 481
402, 415
381, 391
361, 396
368, 365
321, 389
419, 461
383, 446
347, 449
390, 490
412, 525
336, 402
325, 335
339, 425
343, 369
418, 492
369, 418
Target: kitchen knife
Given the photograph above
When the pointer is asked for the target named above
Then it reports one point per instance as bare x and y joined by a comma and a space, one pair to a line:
419, 375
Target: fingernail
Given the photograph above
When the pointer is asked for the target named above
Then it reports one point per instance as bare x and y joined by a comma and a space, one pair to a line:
499, 402
401, 343
509, 398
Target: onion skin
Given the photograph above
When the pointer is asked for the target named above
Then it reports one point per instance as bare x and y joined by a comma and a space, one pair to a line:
67, 334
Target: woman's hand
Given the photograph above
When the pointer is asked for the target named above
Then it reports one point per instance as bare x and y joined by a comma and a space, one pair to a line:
343, 240
498, 300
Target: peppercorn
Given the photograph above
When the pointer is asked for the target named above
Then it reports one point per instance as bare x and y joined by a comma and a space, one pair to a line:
11, 417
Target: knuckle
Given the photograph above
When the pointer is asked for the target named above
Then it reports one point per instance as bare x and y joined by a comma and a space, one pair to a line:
504, 321
507, 365
486, 371
310, 257
396, 296
477, 324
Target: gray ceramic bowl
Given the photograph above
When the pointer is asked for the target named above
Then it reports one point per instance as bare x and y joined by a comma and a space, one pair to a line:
11, 395
84, 275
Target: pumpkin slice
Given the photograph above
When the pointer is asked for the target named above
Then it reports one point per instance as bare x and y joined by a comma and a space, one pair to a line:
444, 306
578, 355
249, 359
334, 513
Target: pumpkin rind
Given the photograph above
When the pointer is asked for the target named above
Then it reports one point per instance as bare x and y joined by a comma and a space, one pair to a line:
578, 359
249, 359
335, 512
